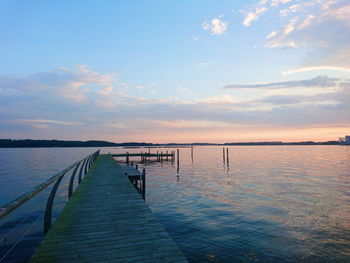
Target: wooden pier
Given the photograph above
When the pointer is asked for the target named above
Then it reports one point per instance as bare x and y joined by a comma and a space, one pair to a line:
147, 156
106, 220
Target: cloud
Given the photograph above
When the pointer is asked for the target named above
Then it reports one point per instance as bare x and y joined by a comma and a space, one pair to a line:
322, 27
216, 26
48, 121
271, 35
221, 99
314, 68
317, 82
39, 111
254, 12
69, 84
279, 39
254, 15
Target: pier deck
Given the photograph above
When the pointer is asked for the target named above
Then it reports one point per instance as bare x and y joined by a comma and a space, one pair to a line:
143, 154
106, 220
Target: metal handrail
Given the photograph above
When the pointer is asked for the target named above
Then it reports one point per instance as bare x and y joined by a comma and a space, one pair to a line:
86, 164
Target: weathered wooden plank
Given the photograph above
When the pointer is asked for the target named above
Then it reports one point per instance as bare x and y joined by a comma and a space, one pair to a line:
106, 220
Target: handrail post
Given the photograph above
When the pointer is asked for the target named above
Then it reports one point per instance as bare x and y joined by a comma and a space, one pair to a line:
49, 203
143, 177
81, 171
70, 187
86, 164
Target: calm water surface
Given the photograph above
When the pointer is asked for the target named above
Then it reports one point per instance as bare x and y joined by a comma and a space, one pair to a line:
268, 204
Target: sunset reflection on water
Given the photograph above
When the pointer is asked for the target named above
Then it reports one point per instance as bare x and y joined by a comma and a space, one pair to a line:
270, 204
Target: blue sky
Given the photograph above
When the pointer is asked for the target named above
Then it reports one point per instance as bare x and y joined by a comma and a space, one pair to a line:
175, 70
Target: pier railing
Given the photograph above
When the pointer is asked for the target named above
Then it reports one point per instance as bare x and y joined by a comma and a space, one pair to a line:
82, 166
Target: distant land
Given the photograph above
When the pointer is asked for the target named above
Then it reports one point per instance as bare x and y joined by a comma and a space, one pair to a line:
27, 143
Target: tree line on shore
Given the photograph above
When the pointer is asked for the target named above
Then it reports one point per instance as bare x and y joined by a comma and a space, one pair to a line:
28, 143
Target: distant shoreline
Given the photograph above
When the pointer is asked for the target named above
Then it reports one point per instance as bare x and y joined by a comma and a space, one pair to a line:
28, 143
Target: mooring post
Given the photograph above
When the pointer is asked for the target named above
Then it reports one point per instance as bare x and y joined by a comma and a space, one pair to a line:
132, 163
192, 154
227, 156
143, 177
127, 157
178, 158
136, 166
157, 157
223, 154
167, 155
161, 156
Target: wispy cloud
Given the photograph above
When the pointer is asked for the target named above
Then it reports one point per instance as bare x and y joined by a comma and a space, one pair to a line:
48, 121
322, 25
254, 15
216, 26
317, 82
314, 68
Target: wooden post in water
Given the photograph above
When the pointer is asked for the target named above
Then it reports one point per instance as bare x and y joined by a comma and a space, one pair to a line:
161, 156
178, 158
127, 157
167, 156
227, 161
192, 154
223, 154
136, 166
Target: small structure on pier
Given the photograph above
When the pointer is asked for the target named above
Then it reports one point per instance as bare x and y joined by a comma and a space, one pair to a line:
344, 140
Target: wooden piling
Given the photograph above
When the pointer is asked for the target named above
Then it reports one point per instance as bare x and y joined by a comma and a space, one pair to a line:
227, 160
223, 154
178, 158
127, 157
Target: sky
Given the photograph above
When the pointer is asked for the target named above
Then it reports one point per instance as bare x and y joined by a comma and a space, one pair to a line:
175, 71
